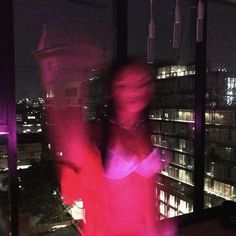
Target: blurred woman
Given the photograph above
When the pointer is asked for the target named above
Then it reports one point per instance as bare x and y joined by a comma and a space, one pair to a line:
129, 159
116, 179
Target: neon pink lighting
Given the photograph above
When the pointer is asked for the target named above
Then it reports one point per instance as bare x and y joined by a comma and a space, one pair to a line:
120, 199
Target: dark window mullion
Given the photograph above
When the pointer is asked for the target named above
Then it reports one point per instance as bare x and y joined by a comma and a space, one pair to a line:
7, 80
200, 90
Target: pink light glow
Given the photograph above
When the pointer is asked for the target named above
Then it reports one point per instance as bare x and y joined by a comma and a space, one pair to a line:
120, 199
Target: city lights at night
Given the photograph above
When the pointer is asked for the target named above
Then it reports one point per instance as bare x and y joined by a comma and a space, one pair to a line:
118, 118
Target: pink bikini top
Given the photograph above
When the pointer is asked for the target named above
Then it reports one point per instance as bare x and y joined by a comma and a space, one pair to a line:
119, 167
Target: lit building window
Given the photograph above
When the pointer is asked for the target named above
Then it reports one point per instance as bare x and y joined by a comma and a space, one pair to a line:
31, 117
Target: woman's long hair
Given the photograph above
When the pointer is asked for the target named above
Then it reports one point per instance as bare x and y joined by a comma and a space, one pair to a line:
111, 75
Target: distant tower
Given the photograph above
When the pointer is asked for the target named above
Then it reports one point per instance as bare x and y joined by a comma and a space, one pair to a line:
177, 26
151, 37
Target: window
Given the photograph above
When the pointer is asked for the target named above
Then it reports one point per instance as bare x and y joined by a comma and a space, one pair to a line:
172, 113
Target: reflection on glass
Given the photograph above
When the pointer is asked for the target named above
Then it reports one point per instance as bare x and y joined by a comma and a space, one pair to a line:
220, 116
4, 193
172, 112
54, 29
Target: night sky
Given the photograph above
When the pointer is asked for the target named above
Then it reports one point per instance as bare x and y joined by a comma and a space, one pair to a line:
67, 17
61, 16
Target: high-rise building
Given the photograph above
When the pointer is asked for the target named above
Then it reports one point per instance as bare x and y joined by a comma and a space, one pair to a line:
172, 120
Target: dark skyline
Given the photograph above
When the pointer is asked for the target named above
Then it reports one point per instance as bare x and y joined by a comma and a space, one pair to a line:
67, 17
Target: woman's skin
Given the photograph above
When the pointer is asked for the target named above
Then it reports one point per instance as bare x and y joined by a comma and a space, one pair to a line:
117, 206
131, 198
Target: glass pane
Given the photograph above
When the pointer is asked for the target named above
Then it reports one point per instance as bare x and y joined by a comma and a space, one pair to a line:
51, 40
220, 146
4, 187
167, 41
